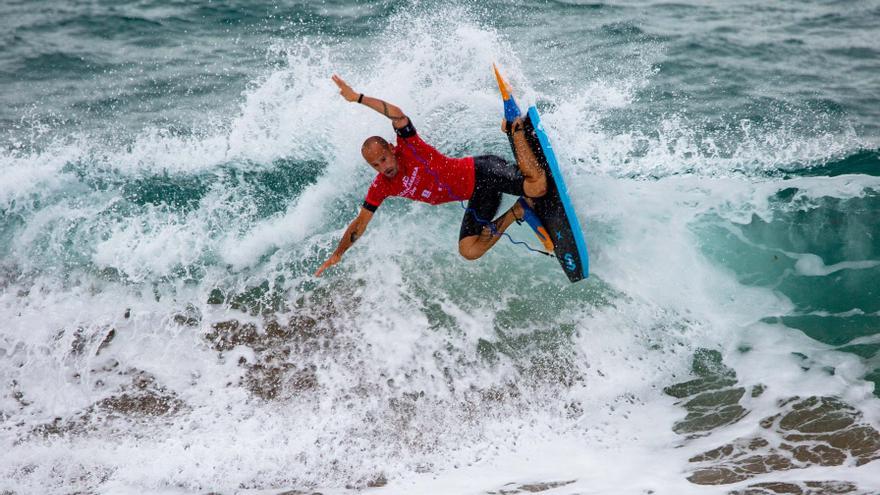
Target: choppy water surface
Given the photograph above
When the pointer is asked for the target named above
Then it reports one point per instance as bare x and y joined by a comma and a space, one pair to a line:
174, 172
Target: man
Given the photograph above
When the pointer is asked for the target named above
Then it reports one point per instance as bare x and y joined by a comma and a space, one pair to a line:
415, 170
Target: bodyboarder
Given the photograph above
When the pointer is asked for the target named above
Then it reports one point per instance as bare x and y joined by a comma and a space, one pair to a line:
415, 170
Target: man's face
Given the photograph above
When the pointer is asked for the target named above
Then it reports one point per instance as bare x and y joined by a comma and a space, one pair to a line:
382, 159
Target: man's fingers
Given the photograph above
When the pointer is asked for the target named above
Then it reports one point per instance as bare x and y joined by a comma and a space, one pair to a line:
327, 264
344, 89
321, 268
517, 123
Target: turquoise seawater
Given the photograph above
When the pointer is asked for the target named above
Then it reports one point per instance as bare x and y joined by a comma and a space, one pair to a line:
169, 167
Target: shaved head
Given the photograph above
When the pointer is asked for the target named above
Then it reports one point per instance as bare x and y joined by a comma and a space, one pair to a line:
380, 155
372, 142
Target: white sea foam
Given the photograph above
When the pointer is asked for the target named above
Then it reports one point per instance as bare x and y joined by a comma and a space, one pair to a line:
813, 266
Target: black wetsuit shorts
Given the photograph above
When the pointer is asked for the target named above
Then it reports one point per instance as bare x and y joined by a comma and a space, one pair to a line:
493, 176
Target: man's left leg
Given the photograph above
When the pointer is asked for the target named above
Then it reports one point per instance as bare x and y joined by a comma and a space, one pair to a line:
534, 179
476, 238
493, 176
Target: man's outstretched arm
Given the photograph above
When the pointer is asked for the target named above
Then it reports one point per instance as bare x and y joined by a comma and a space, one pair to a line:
393, 112
354, 231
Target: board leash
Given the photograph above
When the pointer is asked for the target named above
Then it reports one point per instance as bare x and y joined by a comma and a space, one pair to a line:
473, 212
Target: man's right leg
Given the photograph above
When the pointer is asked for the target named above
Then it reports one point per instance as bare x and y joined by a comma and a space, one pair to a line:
534, 178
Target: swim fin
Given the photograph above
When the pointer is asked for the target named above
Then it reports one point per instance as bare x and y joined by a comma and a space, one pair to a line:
534, 222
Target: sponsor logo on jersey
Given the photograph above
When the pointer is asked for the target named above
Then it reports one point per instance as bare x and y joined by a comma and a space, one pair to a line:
409, 183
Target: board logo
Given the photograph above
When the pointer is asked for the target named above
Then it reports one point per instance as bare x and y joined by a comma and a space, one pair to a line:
569, 262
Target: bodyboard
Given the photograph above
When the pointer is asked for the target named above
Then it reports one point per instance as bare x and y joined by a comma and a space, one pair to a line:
555, 209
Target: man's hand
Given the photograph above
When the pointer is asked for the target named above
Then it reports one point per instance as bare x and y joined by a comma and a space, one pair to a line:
516, 125
398, 118
327, 264
344, 89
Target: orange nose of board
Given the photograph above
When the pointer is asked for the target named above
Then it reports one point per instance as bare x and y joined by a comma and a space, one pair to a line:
502, 85
511, 110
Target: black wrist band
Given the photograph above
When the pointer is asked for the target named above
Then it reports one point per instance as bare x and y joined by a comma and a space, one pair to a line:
361, 98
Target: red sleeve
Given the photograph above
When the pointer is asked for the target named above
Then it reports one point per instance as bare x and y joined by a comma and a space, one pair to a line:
415, 147
376, 194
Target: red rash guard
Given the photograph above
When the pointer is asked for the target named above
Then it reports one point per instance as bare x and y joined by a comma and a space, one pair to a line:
419, 163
